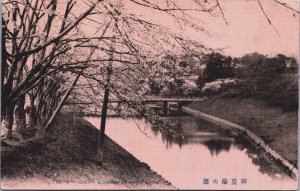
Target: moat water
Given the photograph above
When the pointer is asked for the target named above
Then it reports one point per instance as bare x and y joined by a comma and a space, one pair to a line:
206, 158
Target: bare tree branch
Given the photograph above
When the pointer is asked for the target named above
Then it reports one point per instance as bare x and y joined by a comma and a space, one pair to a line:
262, 9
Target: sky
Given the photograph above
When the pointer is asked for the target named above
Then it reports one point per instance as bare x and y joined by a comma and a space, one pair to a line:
248, 29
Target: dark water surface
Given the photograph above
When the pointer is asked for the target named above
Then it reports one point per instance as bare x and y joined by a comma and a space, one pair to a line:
207, 151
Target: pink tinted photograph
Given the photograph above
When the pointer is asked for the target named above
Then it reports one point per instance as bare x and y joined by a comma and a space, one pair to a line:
149, 94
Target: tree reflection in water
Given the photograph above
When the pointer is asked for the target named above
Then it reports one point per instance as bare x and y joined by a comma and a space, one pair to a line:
218, 139
267, 164
216, 146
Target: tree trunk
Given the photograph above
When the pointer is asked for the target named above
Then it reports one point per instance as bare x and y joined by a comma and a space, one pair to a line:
3, 71
9, 119
62, 102
20, 115
51, 103
32, 119
100, 148
99, 156
42, 112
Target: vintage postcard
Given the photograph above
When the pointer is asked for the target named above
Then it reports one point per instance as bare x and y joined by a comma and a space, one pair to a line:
149, 94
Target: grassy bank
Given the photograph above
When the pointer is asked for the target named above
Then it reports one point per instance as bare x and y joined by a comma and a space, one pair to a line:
63, 158
275, 127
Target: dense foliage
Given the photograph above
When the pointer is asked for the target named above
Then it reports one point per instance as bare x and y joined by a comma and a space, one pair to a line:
272, 79
255, 76
217, 66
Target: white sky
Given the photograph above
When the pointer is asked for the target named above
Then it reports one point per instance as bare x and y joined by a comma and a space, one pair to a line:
248, 29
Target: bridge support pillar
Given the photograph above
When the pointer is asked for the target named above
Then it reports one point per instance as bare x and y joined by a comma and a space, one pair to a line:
166, 108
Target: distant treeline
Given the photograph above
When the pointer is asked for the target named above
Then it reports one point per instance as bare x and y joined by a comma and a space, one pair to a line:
254, 76
274, 80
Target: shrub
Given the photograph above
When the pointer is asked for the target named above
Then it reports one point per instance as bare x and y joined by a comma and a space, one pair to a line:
218, 86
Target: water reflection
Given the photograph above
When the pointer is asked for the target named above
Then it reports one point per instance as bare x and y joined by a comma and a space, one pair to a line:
217, 140
266, 163
216, 146
196, 131
205, 150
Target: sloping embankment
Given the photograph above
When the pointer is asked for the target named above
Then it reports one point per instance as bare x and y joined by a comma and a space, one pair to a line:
274, 128
63, 159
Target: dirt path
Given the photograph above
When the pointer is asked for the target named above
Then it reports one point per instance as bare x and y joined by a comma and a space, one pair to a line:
64, 159
278, 129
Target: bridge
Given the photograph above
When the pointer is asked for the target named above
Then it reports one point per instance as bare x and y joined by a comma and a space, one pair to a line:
153, 100
166, 102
